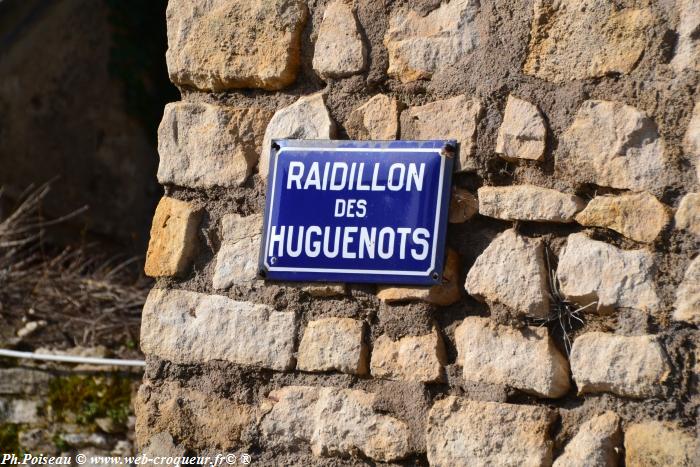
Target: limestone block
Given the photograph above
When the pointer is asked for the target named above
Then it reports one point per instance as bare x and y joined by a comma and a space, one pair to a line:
20, 411
349, 423
411, 358
323, 289
237, 259
688, 214
173, 242
633, 366
23, 381
475, 433
639, 216
336, 422
511, 271
215, 45
197, 419
189, 327
522, 134
594, 271
688, 295
307, 118
615, 145
528, 203
288, 416
376, 119
422, 46
454, 118
525, 359
88, 441
596, 443
687, 56
204, 145
334, 344
691, 139
655, 443
581, 39
339, 51
162, 444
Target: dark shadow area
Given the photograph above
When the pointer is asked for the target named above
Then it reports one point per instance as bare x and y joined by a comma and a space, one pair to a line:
83, 87
82, 90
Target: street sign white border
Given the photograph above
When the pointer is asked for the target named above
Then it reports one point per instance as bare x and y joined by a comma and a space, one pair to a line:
357, 271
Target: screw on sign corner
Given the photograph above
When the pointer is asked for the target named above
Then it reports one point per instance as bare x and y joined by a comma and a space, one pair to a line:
449, 151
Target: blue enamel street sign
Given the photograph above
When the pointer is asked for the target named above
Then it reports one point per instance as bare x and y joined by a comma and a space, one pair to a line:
357, 211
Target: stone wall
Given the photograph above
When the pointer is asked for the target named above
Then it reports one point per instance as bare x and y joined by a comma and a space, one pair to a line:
566, 329
61, 410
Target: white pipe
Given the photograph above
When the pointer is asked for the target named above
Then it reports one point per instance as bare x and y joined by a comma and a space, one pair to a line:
70, 358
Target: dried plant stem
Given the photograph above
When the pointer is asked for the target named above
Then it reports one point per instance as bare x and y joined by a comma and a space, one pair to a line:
83, 297
562, 311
